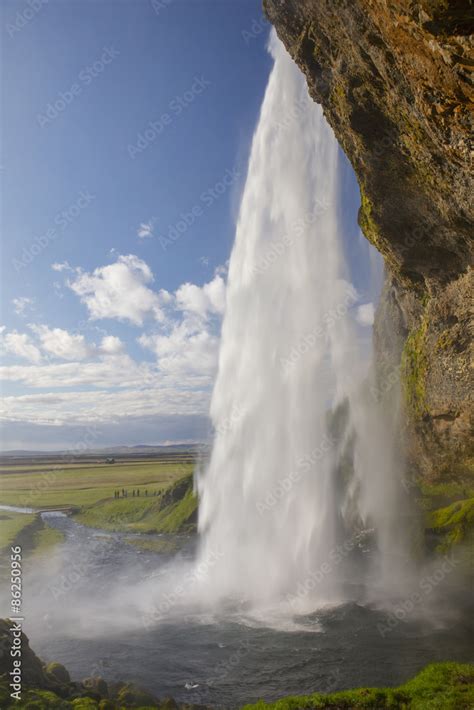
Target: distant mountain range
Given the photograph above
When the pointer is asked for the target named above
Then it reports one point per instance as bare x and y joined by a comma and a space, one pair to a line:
115, 450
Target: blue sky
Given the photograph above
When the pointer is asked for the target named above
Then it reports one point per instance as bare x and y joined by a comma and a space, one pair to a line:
126, 130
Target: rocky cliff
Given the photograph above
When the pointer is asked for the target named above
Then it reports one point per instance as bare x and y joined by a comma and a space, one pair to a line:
394, 78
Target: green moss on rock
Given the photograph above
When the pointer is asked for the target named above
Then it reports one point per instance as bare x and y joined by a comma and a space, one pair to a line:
455, 522
413, 367
58, 672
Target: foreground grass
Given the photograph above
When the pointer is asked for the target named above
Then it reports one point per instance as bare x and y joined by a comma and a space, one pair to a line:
173, 511
440, 686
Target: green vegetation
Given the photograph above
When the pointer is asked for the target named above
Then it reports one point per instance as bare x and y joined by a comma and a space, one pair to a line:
173, 511
29, 531
414, 365
11, 525
455, 522
85, 485
440, 686
440, 494
366, 220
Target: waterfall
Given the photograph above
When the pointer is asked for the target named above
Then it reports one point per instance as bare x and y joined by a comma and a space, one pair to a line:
291, 395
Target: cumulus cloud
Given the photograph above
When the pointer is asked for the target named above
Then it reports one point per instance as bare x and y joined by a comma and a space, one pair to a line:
202, 300
118, 370
98, 381
365, 314
62, 344
111, 345
21, 304
20, 344
102, 407
188, 352
120, 290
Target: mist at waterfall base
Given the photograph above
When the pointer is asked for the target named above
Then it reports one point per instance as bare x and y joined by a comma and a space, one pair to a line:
302, 558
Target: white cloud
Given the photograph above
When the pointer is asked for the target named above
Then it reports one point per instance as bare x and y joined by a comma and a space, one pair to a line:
62, 344
120, 290
202, 300
145, 230
365, 314
109, 370
111, 345
189, 353
21, 304
103, 383
101, 406
61, 266
20, 344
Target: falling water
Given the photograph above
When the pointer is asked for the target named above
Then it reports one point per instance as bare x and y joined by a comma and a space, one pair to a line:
272, 512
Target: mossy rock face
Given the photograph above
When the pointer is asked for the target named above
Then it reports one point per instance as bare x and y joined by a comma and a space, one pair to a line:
454, 523
394, 84
58, 672
414, 366
85, 704
132, 697
97, 685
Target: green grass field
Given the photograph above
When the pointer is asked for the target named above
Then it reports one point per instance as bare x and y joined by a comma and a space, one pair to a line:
172, 512
78, 486
90, 488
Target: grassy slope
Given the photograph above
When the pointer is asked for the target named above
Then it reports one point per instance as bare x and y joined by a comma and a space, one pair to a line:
167, 513
85, 485
28, 530
440, 686
11, 525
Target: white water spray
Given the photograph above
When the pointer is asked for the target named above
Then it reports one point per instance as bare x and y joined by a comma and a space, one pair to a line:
271, 511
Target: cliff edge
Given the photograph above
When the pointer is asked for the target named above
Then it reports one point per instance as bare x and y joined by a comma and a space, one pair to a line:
395, 82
